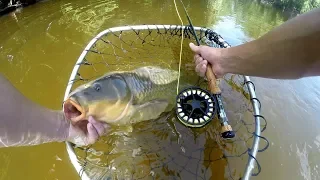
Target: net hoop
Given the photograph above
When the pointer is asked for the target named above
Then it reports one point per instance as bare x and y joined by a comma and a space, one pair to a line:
252, 153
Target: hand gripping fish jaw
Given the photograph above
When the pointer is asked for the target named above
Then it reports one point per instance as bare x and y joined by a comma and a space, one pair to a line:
73, 110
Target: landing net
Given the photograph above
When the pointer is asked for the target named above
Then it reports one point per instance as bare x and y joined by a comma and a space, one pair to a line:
164, 148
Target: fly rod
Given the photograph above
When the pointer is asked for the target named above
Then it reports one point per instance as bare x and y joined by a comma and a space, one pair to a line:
226, 129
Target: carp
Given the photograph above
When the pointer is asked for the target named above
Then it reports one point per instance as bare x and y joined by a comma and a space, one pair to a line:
123, 97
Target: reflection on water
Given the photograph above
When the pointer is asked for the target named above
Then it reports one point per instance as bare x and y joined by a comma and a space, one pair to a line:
242, 20
90, 18
39, 46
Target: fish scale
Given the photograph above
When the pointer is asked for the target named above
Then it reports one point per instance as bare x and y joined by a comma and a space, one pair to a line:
144, 90
151, 83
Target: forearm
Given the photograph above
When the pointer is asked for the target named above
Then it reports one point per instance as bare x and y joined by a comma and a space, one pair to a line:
23, 122
289, 51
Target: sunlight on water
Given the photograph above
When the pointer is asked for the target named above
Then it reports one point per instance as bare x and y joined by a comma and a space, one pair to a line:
303, 157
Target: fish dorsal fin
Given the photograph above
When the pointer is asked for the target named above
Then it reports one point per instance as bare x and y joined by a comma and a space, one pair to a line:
157, 75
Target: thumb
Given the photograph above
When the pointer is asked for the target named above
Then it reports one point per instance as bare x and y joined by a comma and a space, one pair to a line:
93, 135
194, 48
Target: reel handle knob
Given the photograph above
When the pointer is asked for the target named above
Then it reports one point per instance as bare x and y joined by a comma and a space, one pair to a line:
227, 132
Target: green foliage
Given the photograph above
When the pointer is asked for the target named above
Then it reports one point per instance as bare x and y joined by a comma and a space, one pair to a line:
298, 6
311, 4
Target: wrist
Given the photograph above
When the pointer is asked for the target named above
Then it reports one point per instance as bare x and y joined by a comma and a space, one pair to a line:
63, 127
237, 60
229, 61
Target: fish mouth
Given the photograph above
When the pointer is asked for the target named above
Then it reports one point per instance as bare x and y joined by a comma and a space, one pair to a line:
73, 110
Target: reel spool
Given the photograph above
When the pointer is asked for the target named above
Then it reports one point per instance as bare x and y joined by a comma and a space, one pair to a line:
195, 107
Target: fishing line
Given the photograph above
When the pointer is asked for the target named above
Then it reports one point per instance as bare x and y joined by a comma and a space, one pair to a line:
181, 44
195, 106
202, 105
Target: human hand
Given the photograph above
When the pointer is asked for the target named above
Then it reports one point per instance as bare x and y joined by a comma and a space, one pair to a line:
205, 54
86, 132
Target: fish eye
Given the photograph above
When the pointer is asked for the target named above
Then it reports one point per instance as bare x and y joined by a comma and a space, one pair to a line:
97, 87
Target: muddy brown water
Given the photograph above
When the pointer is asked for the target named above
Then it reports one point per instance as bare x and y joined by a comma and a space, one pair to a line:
40, 44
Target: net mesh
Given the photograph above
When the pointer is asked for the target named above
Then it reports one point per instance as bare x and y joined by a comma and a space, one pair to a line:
164, 148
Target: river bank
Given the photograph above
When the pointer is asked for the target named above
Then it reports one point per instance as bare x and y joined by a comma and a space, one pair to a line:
7, 6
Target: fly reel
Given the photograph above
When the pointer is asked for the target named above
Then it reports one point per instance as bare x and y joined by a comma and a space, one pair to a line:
195, 107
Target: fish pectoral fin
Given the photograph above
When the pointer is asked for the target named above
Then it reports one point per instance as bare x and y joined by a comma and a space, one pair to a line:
149, 110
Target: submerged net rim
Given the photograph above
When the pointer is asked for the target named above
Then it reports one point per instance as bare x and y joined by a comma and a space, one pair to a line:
252, 154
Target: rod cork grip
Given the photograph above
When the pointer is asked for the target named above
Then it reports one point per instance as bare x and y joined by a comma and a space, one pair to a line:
226, 128
213, 84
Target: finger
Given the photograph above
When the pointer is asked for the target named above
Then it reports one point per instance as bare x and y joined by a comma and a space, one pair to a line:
99, 126
82, 125
199, 60
197, 69
200, 64
92, 134
194, 48
201, 68
195, 57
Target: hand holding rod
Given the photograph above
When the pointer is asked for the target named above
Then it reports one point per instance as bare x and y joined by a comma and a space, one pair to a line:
226, 129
